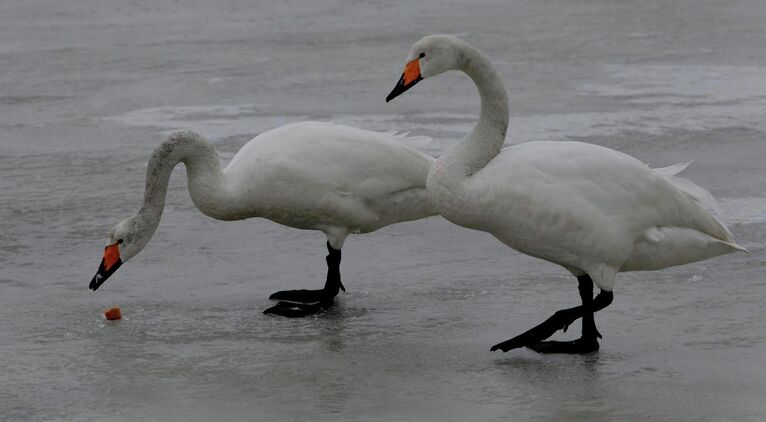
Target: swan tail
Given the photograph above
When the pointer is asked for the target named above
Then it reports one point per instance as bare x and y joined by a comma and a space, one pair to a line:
697, 193
709, 211
663, 247
735, 247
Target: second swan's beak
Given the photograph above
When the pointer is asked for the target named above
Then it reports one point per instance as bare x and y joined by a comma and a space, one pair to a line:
109, 264
410, 77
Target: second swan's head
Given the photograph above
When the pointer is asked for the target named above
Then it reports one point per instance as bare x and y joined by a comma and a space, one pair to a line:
125, 240
432, 55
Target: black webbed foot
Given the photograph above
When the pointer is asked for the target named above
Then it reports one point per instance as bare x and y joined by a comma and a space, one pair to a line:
303, 296
301, 303
558, 321
575, 347
561, 320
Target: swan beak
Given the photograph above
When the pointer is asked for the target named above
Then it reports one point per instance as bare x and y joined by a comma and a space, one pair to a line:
109, 264
410, 77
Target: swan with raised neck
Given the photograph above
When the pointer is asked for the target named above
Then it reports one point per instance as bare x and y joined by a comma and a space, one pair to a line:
446, 180
590, 209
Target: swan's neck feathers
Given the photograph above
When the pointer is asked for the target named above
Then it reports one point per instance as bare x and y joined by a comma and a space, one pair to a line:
206, 180
486, 139
488, 135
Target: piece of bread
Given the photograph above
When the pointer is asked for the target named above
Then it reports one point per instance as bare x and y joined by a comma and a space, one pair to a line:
113, 313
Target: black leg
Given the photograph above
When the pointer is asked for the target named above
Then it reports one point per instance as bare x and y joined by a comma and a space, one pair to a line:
300, 303
561, 320
588, 342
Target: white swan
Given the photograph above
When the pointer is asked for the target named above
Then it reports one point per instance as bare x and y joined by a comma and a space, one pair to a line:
590, 209
312, 176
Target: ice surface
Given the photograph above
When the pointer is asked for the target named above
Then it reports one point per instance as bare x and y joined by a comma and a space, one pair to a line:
88, 89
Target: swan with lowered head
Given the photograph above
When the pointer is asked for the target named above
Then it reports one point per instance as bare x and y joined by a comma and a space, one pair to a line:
590, 209
310, 175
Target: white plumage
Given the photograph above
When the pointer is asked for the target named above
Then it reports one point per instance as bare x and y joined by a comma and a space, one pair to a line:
328, 177
590, 209
314, 176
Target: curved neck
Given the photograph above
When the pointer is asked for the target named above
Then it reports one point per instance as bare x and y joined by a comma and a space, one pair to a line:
446, 180
203, 170
488, 135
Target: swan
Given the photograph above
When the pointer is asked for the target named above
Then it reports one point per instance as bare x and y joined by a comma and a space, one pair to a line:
593, 210
310, 175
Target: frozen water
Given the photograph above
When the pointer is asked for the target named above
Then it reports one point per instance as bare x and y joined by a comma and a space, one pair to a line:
88, 89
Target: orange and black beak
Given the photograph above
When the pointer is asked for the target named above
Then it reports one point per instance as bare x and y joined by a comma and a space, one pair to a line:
410, 77
109, 265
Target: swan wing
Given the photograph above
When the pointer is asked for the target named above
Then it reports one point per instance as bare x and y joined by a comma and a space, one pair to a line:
334, 172
582, 205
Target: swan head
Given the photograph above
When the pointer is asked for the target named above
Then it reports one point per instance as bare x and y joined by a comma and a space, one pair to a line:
431, 56
126, 239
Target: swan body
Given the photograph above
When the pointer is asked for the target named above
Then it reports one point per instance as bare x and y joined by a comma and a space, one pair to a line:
313, 176
322, 176
593, 210
588, 208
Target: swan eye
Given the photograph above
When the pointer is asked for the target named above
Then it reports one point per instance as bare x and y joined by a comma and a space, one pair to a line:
119, 241
422, 55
